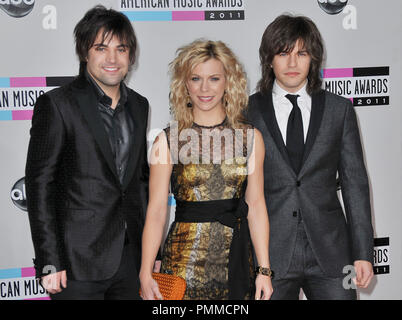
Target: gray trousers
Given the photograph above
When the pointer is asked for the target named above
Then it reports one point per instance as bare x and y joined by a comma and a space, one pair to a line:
305, 273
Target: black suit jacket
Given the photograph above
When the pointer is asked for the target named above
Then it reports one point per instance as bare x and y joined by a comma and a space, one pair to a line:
77, 207
332, 147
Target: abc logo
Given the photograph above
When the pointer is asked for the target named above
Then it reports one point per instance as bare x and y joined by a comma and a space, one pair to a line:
18, 194
332, 6
17, 2
17, 8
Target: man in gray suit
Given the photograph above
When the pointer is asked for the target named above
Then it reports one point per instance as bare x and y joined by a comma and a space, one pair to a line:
311, 136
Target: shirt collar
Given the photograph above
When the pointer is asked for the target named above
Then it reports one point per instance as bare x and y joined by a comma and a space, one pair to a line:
101, 95
278, 92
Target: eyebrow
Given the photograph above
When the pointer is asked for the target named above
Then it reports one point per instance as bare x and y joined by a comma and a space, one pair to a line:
122, 45
212, 75
303, 50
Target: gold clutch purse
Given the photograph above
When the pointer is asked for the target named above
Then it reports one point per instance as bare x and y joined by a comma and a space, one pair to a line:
170, 286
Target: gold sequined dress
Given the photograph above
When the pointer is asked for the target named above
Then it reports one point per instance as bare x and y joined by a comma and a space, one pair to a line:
209, 176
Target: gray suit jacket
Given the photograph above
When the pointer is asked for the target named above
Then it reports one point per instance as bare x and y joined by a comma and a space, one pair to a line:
332, 146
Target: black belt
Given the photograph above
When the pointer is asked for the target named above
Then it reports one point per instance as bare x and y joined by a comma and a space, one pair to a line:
231, 213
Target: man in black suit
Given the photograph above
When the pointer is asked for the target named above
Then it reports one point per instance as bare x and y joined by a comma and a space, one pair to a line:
87, 170
311, 136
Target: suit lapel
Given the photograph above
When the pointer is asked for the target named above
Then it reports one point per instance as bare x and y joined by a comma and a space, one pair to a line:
136, 144
268, 113
317, 110
85, 98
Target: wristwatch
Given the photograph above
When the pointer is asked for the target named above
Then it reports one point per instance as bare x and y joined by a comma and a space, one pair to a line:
264, 271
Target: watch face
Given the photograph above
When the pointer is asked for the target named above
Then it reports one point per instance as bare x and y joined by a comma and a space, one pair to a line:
264, 271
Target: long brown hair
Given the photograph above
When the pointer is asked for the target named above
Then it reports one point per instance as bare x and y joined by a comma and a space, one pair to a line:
281, 36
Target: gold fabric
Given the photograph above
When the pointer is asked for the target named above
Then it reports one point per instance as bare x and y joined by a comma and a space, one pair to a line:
199, 252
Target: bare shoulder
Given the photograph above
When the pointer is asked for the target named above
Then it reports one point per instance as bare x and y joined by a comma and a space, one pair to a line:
258, 135
161, 137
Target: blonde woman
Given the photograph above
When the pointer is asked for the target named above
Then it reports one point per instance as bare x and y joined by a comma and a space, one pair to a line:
214, 162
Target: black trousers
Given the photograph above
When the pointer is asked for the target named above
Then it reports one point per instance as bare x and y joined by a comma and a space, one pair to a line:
124, 285
305, 273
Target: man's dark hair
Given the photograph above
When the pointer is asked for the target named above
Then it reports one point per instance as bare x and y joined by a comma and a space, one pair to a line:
281, 36
111, 23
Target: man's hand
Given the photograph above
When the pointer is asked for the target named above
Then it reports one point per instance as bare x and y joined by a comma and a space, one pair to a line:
52, 282
364, 273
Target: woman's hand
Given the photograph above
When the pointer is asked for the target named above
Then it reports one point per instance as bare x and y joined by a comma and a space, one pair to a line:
263, 286
149, 288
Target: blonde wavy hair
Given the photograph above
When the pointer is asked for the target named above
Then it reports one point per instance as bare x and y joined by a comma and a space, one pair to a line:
188, 57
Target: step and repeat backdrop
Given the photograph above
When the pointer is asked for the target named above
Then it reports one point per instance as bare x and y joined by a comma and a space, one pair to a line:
363, 63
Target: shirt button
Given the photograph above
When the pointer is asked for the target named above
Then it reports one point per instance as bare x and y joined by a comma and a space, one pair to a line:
298, 183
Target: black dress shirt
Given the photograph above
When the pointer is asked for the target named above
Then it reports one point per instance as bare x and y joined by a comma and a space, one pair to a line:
118, 125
